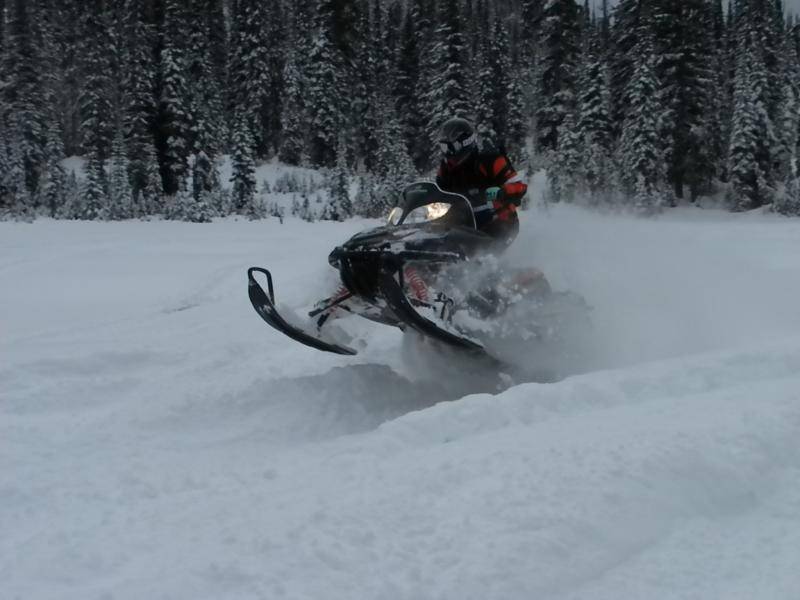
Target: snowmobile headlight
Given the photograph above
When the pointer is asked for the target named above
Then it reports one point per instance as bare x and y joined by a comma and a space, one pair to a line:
437, 210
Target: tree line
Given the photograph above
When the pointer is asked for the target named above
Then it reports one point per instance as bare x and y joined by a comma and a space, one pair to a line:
647, 104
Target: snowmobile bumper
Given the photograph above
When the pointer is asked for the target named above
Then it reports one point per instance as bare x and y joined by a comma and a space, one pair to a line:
360, 269
264, 304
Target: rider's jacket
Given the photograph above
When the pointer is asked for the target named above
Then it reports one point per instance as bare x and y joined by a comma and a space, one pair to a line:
474, 176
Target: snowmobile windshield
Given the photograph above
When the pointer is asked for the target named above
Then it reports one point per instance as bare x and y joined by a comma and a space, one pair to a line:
425, 202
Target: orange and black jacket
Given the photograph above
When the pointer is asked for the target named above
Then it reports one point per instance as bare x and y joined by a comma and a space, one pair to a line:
478, 173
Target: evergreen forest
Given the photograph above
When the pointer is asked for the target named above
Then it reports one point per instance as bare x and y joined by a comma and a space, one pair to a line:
645, 104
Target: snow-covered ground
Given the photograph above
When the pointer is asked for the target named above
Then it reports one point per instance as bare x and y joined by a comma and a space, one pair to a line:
157, 440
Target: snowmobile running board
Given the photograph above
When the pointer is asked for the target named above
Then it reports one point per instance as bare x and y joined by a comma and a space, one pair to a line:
265, 307
404, 311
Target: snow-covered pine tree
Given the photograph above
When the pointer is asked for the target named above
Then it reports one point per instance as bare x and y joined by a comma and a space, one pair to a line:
97, 123
641, 164
205, 92
120, 196
150, 197
501, 78
292, 149
173, 124
394, 168
484, 85
15, 201
339, 207
447, 87
52, 187
410, 101
750, 185
786, 133
24, 102
720, 100
72, 199
205, 180
594, 131
2, 26
628, 26
788, 202
94, 190
560, 50
325, 91
66, 75
251, 78
50, 34
244, 167
140, 108
372, 70
6, 186
368, 201
684, 43
566, 164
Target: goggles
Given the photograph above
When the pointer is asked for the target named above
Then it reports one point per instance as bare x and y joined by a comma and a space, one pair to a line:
453, 148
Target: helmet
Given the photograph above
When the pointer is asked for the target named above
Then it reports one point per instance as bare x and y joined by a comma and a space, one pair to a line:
457, 140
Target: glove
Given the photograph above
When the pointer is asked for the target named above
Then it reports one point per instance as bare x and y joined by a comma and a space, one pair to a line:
494, 194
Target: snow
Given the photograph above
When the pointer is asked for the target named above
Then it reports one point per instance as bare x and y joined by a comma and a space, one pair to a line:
157, 440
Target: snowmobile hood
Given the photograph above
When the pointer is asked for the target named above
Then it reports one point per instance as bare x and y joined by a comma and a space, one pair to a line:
433, 238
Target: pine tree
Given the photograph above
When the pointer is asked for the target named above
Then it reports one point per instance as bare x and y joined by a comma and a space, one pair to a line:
292, 148
566, 168
72, 199
120, 196
97, 123
94, 191
409, 101
324, 85
339, 205
750, 182
685, 52
394, 168
173, 125
52, 187
628, 29
641, 161
364, 118
149, 195
560, 39
2, 26
593, 129
243, 175
369, 201
251, 77
447, 94
24, 104
140, 107
208, 130
486, 84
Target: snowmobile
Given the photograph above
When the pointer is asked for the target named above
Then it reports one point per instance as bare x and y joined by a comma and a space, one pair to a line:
428, 270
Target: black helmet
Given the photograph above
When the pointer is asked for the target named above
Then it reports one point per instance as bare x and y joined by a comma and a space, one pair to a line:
457, 140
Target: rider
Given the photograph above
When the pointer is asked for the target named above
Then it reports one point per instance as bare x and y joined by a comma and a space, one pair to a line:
486, 178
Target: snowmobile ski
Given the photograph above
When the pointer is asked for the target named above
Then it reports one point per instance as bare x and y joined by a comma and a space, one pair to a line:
265, 307
403, 310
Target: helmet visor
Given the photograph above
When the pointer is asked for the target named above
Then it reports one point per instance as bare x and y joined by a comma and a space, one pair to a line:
457, 148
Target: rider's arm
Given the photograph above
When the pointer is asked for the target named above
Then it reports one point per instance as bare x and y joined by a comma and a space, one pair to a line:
508, 180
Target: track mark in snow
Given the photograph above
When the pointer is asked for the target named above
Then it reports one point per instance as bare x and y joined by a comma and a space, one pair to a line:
343, 401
